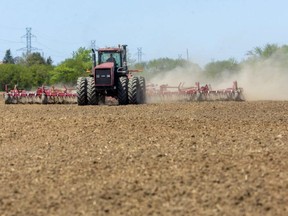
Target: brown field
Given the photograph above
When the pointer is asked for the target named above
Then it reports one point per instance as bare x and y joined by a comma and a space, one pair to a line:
208, 158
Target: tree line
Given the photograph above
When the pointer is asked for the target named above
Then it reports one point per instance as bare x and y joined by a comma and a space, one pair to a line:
33, 70
30, 71
278, 55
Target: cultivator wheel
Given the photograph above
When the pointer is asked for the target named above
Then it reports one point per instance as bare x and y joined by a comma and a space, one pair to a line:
199, 96
7, 99
133, 91
44, 99
101, 98
123, 90
82, 91
92, 96
238, 96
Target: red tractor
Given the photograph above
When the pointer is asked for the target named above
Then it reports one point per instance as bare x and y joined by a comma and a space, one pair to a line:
111, 78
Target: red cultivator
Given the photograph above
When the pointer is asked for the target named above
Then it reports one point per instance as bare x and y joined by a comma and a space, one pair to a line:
155, 93
194, 93
43, 95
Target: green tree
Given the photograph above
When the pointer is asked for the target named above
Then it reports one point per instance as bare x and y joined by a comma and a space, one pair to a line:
64, 74
82, 54
267, 51
72, 68
282, 56
276, 55
8, 59
160, 66
25, 77
10, 74
35, 59
40, 74
164, 64
19, 60
49, 61
140, 66
217, 68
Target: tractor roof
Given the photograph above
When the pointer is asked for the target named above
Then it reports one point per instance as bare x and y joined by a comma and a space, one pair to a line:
110, 49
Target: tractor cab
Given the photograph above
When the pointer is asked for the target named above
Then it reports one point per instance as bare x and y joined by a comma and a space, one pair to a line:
118, 55
111, 65
110, 56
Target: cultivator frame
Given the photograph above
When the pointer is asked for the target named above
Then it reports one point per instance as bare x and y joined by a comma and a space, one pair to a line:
42, 95
193, 93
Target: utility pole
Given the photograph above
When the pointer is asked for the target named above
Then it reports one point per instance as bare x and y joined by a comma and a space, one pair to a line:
139, 54
28, 37
187, 52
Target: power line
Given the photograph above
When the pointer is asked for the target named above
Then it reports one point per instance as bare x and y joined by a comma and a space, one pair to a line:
9, 41
28, 37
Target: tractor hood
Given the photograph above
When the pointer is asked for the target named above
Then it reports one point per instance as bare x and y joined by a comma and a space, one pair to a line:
104, 74
105, 65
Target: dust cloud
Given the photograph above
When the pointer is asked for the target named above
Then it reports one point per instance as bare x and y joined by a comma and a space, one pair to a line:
187, 75
260, 80
264, 80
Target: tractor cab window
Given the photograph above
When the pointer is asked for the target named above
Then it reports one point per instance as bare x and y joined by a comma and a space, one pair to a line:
106, 57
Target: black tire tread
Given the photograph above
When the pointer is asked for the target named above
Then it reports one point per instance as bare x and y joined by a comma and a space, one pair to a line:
92, 97
142, 84
133, 89
122, 90
82, 91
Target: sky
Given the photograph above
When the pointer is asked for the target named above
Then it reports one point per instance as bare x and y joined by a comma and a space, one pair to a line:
210, 30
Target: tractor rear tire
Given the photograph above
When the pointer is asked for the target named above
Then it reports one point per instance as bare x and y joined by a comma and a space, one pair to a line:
122, 89
133, 91
92, 96
82, 91
142, 86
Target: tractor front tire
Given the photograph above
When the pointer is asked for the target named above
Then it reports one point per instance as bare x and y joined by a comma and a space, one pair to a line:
122, 89
82, 91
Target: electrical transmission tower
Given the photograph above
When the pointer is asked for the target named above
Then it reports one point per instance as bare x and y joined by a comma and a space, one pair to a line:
139, 54
93, 44
28, 37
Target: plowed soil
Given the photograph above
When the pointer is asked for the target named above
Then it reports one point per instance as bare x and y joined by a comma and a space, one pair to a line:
207, 158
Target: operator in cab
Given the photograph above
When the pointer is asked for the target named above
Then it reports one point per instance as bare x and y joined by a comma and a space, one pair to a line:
111, 59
